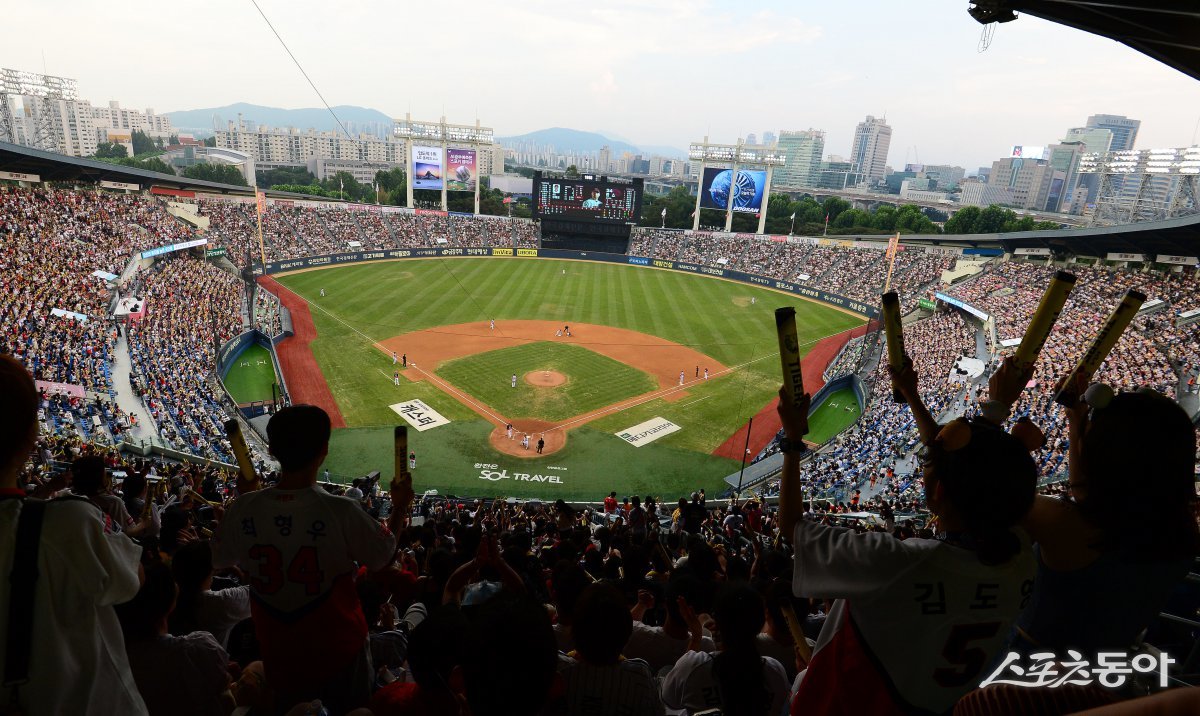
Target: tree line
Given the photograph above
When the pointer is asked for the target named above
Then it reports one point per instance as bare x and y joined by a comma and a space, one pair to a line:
811, 216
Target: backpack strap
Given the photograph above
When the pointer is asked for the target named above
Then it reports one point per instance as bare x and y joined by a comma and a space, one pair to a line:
22, 581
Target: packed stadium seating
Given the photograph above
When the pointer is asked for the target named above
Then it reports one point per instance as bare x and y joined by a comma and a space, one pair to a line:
523, 561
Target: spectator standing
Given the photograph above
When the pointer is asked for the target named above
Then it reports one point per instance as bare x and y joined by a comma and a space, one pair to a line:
300, 545
73, 634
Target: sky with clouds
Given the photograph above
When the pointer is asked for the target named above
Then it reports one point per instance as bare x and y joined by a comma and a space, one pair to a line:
648, 71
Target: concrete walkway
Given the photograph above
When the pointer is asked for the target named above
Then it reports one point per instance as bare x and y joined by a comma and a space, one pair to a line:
122, 367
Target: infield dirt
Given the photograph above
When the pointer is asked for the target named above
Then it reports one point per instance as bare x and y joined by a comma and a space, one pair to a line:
660, 358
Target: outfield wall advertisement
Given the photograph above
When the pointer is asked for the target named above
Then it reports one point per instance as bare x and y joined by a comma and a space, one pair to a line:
833, 299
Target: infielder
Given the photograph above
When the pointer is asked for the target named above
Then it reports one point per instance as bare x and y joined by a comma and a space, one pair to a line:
493, 323
509, 429
706, 373
681, 377
514, 380
525, 441
395, 360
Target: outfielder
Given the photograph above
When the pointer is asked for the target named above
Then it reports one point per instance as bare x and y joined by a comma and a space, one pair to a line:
514, 380
396, 378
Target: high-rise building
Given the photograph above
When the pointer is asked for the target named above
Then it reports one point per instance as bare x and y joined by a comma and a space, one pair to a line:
768, 138
869, 151
1064, 159
1028, 179
1124, 129
752, 138
1096, 140
803, 150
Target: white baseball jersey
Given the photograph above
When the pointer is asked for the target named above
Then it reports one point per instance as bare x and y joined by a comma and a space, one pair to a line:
915, 622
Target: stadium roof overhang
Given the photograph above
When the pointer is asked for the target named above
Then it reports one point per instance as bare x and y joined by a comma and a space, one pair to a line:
1176, 237
50, 166
1166, 30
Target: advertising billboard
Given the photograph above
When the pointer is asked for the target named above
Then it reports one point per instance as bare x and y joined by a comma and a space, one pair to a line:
586, 199
747, 189
427, 167
1026, 151
461, 169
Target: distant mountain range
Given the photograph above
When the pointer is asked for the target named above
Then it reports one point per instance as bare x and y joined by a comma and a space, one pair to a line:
356, 119
566, 141
372, 121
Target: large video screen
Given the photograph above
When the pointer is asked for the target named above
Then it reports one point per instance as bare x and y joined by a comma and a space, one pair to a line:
747, 189
586, 199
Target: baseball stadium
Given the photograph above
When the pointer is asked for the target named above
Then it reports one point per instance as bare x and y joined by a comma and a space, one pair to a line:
515, 442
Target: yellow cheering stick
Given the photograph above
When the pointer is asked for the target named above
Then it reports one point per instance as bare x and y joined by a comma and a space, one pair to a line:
1067, 390
1043, 319
793, 624
893, 329
789, 354
202, 498
247, 477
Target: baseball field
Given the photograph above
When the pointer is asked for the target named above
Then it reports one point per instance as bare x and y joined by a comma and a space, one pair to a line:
605, 364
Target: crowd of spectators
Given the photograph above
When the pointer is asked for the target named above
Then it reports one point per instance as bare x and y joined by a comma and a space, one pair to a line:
193, 307
267, 312
53, 240
343, 228
1148, 354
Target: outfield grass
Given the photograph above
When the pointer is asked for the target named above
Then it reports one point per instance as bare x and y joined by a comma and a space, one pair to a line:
832, 417
251, 376
366, 303
593, 380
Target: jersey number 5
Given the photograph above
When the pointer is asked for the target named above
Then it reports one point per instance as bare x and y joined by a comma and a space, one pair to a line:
971, 660
304, 569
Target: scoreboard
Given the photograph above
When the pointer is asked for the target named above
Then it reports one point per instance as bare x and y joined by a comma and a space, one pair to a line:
587, 199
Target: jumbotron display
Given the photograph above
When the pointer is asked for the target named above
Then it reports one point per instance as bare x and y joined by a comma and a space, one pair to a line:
586, 199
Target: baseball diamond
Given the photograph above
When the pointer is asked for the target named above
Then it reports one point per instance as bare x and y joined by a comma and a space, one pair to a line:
633, 331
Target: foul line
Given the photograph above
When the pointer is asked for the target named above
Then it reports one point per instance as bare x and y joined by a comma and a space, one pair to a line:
586, 417
693, 402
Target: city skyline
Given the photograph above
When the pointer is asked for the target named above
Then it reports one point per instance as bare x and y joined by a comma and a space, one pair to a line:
955, 106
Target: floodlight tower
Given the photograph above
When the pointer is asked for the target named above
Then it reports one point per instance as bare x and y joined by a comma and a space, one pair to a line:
1144, 184
737, 156
40, 97
446, 136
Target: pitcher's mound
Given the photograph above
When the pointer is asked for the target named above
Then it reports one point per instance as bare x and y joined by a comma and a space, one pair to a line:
545, 378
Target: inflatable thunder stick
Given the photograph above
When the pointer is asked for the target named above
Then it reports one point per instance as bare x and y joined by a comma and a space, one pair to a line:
793, 623
1043, 319
1102, 345
789, 353
233, 430
401, 441
890, 303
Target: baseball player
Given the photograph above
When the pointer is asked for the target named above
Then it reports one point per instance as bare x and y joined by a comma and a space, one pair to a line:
752, 300
396, 378
509, 429
395, 360
558, 333
681, 377
706, 373
322, 293
514, 380
697, 371
412, 461
525, 441
493, 324
404, 360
